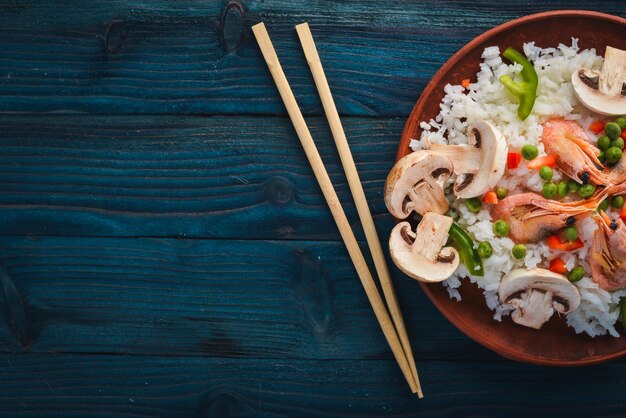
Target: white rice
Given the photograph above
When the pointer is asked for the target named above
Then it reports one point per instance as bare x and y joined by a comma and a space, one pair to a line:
487, 99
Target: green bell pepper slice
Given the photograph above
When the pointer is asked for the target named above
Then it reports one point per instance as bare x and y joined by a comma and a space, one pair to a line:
525, 90
465, 246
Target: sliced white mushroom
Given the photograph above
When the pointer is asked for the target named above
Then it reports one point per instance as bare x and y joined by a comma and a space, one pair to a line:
421, 254
536, 294
480, 164
415, 183
603, 91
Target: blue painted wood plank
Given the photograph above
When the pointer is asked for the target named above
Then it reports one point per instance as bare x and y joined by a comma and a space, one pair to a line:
138, 56
260, 299
139, 386
290, 315
225, 177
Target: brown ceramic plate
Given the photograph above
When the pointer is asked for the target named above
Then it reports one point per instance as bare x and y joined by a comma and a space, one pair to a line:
555, 344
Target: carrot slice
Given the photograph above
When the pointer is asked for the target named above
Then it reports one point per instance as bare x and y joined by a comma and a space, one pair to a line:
490, 198
555, 243
513, 159
537, 163
558, 266
623, 135
597, 126
622, 213
465, 83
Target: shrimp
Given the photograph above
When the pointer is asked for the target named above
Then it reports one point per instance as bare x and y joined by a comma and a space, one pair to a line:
608, 253
532, 217
575, 156
616, 190
617, 173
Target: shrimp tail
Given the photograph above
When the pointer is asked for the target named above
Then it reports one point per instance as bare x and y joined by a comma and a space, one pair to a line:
572, 208
597, 176
619, 189
590, 150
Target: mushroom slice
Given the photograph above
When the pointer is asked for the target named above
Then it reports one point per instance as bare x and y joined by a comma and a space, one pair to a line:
421, 254
415, 183
536, 294
478, 165
603, 91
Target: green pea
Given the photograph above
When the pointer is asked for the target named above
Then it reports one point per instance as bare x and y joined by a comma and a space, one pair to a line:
604, 142
502, 192
545, 173
501, 228
613, 155
571, 233
576, 274
572, 186
602, 157
618, 142
529, 152
603, 206
519, 251
617, 202
474, 204
586, 190
621, 122
561, 189
612, 130
549, 190
485, 250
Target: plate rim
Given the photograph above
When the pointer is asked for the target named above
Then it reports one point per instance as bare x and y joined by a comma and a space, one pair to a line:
409, 127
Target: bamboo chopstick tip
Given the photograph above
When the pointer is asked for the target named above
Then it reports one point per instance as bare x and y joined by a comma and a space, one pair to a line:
258, 27
302, 26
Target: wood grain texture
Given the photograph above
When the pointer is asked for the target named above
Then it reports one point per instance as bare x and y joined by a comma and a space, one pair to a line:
139, 386
260, 299
199, 57
98, 321
225, 177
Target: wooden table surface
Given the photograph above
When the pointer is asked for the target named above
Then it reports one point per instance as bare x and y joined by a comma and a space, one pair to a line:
168, 250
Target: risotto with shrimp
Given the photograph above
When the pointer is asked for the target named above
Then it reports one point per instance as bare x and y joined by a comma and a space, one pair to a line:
518, 186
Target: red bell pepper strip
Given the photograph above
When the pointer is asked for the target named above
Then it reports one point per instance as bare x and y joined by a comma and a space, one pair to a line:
537, 163
513, 159
558, 266
596, 126
555, 243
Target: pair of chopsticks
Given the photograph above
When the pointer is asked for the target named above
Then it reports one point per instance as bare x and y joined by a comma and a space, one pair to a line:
395, 332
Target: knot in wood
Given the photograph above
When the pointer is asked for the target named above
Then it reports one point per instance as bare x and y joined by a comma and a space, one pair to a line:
232, 25
114, 36
223, 405
279, 191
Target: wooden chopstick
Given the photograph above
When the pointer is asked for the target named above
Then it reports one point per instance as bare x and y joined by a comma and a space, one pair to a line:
313, 59
334, 204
